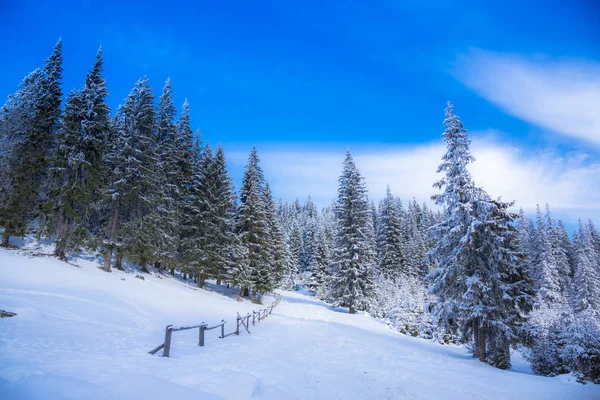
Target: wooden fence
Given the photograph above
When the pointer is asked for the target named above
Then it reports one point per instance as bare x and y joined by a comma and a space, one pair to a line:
241, 321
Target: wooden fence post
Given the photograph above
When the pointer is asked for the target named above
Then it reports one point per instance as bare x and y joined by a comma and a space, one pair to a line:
237, 328
222, 328
201, 339
247, 320
167, 348
253, 317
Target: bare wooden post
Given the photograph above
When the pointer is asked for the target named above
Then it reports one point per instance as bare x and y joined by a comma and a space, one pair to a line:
247, 320
253, 317
201, 341
222, 328
237, 328
167, 348
271, 310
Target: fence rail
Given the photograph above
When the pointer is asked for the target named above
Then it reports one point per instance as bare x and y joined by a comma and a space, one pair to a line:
241, 322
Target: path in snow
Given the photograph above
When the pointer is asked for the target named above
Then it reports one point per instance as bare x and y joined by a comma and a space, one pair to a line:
81, 333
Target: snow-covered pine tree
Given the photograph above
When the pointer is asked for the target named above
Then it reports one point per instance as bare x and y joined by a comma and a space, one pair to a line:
353, 280
201, 257
30, 118
545, 270
390, 241
134, 181
184, 157
191, 228
220, 219
561, 253
586, 297
253, 228
295, 241
309, 244
512, 287
480, 284
416, 254
277, 253
321, 276
166, 216
448, 280
78, 161
581, 348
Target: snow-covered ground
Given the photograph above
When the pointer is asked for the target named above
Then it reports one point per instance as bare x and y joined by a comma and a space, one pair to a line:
81, 333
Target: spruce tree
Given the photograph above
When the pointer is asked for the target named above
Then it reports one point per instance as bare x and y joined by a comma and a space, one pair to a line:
253, 228
31, 119
353, 280
391, 243
78, 162
167, 219
587, 274
481, 285
277, 253
183, 153
545, 270
192, 213
131, 230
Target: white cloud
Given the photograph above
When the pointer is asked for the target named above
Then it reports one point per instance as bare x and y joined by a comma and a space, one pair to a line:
567, 182
562, 96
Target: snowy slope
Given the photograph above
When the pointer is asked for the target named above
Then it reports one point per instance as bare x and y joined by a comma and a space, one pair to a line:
81, 333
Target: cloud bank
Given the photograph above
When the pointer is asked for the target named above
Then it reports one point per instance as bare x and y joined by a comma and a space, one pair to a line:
561, 96
567, 182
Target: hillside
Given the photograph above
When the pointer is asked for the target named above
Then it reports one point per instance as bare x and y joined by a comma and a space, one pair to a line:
81, 333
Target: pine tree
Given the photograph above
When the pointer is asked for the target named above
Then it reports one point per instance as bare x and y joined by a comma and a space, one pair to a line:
320, 276
481, 284
561, 250
253, 228
77, 165
191, 229
391, 243
184, 155
31, 118
545, 270
587, 274
278, 256
133, 184
353, 280
307, 253
167, 219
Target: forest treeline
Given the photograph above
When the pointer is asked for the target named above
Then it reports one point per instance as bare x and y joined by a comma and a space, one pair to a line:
138, 184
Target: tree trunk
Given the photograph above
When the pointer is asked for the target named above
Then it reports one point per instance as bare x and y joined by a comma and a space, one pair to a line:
143, 267
41, 223
112, 234
184, 275
5, 238
59, 249
107, 259
481, 345
173, 272
246, 292
158, 266
351, 309
119, 262
201, 280
476, 338
218, 281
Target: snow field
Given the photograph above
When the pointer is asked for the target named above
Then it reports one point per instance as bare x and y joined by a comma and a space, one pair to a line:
81, 333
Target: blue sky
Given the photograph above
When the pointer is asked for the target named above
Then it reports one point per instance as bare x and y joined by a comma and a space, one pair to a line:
304, 80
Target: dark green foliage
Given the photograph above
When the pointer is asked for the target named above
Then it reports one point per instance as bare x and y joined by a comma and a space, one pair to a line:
30, 119
77, 168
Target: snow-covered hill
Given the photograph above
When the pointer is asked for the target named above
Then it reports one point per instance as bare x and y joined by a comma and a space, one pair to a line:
81, 333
